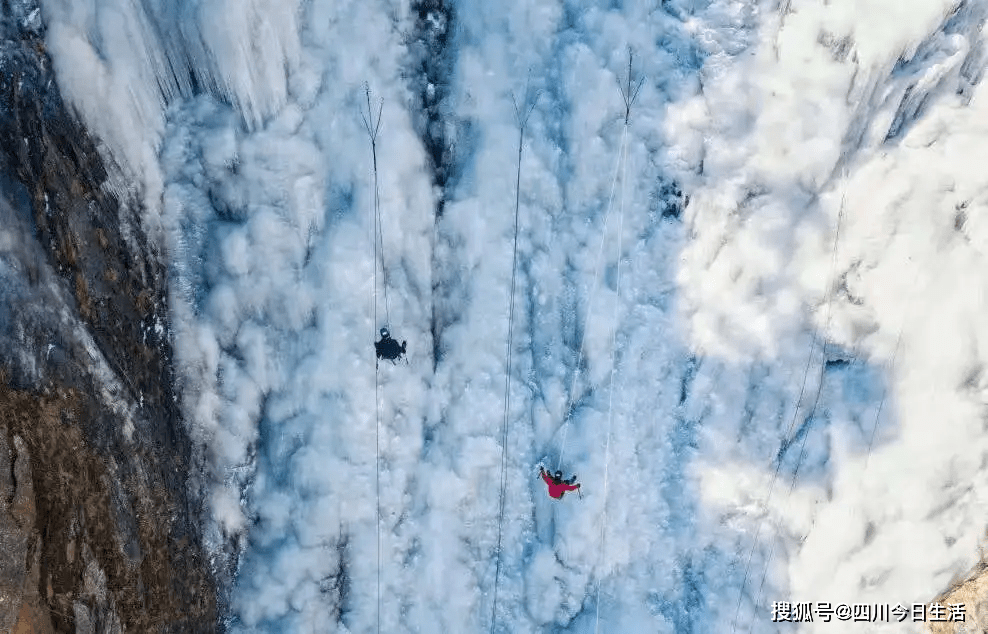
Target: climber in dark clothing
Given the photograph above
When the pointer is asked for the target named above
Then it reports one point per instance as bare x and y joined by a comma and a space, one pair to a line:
556, 485
388, 348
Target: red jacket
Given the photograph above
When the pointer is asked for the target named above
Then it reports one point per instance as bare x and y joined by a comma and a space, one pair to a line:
557, 490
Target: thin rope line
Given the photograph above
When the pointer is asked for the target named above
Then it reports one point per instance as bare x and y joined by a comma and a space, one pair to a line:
795, 415
373, 128
377, 407
507, 375
792, 483
629, 94
568, 412
891, 366
380, 236
610, 396
775, 476
377, 402
816, 400
878, 412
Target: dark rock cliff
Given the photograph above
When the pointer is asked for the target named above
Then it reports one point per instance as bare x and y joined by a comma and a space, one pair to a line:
97, 530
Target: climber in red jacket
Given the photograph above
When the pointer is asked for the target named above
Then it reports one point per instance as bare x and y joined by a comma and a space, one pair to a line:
556, 485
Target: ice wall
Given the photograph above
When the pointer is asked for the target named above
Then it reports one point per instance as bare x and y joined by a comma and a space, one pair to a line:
797, 228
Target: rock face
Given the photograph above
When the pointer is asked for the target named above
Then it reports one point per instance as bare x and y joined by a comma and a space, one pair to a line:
17, 516
97, 529
972, 593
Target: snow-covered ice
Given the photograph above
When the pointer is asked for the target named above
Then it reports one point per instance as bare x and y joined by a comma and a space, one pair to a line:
786, 389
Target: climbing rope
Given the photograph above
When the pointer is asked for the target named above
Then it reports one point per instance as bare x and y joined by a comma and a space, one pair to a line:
581, 350
629, 95
522, 122
792, 424
891, 366
878, 412
373, 127
610, 395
